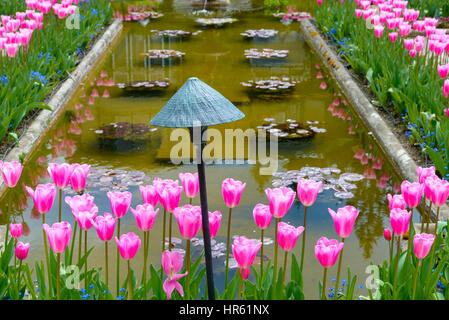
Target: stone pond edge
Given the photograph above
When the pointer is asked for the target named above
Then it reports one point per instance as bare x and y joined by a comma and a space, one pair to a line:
362, 106
58, 100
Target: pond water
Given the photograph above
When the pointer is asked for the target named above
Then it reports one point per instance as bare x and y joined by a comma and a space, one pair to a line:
216, 57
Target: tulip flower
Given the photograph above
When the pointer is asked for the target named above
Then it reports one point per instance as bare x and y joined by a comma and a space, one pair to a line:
11, 172
399, 220
412, 193
443, 71
21, 250
60, 173
43, 197
396, 201
120, 203
422, 243
446, 88
344, 220
15, 230
128, 244
105, 229
387, 234
190, 184
169, 197
172, 264
232, 191
149, 195
79, 177
423, 173
145, 216
287, 236
393, 36
262, 217
214, 223
327, 252
245, 251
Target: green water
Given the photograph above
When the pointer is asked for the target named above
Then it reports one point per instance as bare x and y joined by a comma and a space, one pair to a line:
216, 57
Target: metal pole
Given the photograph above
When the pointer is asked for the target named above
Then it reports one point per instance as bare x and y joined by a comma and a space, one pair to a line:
205, 214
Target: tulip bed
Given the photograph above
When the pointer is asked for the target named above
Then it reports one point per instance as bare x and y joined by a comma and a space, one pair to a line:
399, 53
40, 45
418, 272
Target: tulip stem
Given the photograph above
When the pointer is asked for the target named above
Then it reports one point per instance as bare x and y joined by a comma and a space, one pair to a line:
429, 218
391, 246
57, 276
323, 293
275, 254
432, 254
106, 264
60, 204
228, 241
187, 297
15, 257
398, 252
240, 284
73, 241
130, 294
190, 201
145, 254
169, 230
303, 239
7, 219
118, 258
337, 284
285, 270
414, 279
85, 257
46, 253
18, 274
80, 240
261, 253
163, 232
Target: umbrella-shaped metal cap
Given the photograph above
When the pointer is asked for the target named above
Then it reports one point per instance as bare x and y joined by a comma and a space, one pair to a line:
194, 104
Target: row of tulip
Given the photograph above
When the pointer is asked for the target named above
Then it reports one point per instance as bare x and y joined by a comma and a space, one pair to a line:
40, 42
167, 193
396, 73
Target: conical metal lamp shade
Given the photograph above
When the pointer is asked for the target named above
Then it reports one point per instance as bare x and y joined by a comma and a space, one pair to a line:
196, 104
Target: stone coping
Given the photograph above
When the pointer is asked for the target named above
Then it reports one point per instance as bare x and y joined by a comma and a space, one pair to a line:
367, 112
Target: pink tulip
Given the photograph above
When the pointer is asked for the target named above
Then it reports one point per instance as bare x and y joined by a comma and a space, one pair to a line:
21, 250
280, 199
308, 191
189, 220
85, 219
245, 251
446, 112
443, 70
422, 243
120, 202
79, 203
232, 191
396, 201
43, 196
79, 176
344, 220
190, 184
145, 216
408, 44
60, 173
358, 13
262, 215
105, 226
438, 190
287, 235
446, 88
378, 30
387, 234
319, 2
11, 49
412, 53
149, 195
327, 251
393, 36
16, 230
58, 235
214, 223
412, 193
128, 245
400, 220
244, 273
423, 173
170, 196
323, 85
172, 262
11, 172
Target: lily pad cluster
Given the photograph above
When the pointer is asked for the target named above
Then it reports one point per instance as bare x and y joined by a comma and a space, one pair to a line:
144, 85
274, 85
330, 178
125, 131
266, 54
175, 34
289, 130
215, 22
259, 34
143, 15
157, 56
